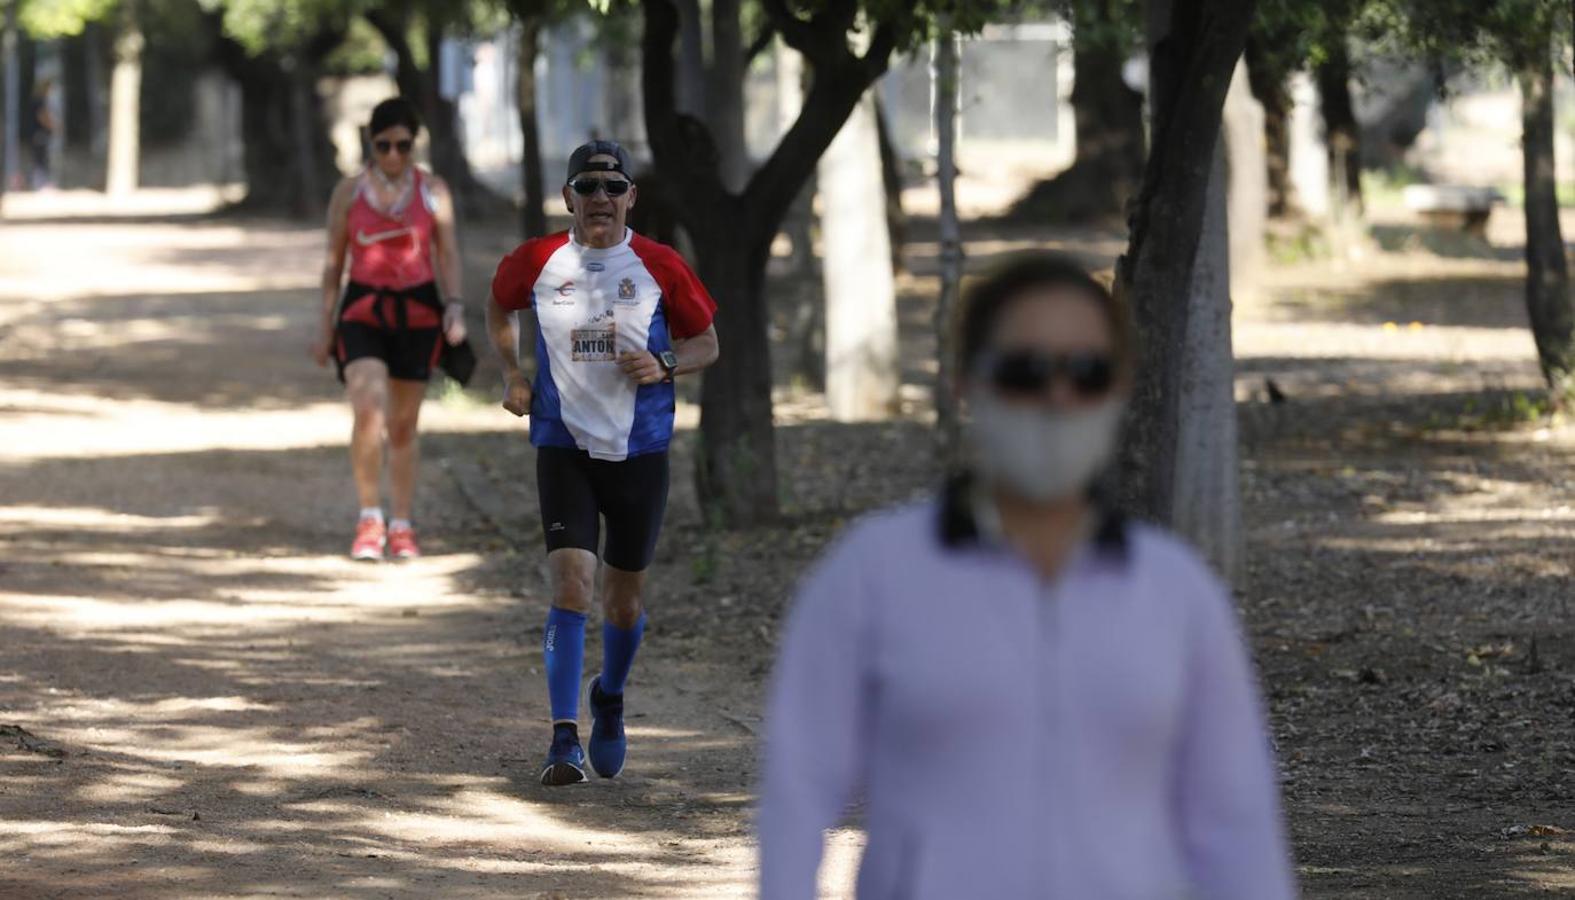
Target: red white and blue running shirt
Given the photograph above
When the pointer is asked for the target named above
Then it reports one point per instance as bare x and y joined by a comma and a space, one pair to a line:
591, 305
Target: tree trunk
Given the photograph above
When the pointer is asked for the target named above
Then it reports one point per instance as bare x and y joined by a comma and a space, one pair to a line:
725, 96
736, 477
1271, 88
440, 115
1208, 484
533, 218
1196, 44
1108, 116
125, 104
13, 102
1342, 132
1547, 272
862, 374
1242, 141
891, 178
691, 60
305, 126
287, 153
946, 97
736, 470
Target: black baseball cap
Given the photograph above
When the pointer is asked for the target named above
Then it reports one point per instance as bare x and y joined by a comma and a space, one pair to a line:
580, 159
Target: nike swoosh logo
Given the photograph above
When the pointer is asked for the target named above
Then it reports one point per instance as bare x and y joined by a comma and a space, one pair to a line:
367, 240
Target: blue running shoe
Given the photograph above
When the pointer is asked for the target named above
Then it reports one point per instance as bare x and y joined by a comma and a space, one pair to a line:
608, 744
565, 760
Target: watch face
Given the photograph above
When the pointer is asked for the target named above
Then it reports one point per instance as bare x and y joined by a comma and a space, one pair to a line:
669, 360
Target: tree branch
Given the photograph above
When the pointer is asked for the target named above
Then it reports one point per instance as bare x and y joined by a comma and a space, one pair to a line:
808, 38
835, 91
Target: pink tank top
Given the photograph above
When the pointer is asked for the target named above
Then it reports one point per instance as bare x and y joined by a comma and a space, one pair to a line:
392, 250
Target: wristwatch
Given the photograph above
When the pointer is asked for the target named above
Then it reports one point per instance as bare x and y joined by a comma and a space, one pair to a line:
669, 363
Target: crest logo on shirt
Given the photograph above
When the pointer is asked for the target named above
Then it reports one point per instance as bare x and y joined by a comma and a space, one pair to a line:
626, 289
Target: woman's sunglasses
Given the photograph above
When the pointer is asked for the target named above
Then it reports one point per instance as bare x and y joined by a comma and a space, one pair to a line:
585, 187
1032, 372
382, 147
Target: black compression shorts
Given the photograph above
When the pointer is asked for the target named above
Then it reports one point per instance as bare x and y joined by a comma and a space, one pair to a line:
577, 491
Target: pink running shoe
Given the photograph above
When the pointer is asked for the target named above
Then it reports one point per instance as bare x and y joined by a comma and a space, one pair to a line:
402, 543
370, 537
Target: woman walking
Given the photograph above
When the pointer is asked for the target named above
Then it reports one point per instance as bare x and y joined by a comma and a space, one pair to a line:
386, 334
1037, 698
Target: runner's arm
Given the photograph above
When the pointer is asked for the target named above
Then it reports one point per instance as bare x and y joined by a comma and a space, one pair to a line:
696, 353
503, 330
450, 270
338, 245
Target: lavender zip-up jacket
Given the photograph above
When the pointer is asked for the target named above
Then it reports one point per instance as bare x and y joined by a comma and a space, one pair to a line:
1096, 737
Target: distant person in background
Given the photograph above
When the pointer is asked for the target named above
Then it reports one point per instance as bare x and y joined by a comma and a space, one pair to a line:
387, 335
1037, 698
44, 123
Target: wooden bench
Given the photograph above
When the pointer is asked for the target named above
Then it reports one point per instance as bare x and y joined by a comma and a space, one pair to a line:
1455, 207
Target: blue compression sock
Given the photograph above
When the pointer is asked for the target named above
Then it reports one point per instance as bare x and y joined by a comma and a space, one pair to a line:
618, 649
563, 648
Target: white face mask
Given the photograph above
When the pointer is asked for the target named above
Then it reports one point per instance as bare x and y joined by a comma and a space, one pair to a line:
1038, 453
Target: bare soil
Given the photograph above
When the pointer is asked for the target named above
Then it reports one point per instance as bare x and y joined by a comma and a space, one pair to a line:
199, 696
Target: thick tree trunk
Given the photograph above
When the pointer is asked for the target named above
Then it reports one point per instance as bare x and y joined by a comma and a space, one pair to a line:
735, 471
1547, 274
306, 126
1208, 484
12, 147
691, 59
946, 97
725, 95
733, 234
1196, 44
533, 218
1108, 116
891, 178
1271, 88
1247, 192
125, 104
287, 153
862, 374
1342, 132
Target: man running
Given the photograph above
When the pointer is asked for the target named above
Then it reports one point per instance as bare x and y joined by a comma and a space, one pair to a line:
618, 317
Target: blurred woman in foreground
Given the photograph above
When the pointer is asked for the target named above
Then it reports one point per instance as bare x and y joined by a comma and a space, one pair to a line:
1038, 698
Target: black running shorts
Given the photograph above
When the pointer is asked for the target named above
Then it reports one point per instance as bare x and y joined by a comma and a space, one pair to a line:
577, 491
404, 330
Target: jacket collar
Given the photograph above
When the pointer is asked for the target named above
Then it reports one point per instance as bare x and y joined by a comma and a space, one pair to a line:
961, 526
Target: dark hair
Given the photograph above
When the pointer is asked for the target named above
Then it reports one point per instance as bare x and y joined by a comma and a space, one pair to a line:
987, 298
393, 112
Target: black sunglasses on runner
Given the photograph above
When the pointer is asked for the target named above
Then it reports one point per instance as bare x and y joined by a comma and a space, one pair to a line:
382, 147
585, 187
1033, 371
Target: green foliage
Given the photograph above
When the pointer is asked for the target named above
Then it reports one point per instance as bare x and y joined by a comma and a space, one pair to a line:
361, 53
46, 19
277, 25
1471, 32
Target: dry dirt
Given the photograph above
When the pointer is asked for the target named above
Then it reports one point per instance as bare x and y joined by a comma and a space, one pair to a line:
199, 696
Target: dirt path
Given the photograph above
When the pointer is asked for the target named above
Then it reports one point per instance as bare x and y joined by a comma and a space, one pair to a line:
200, 697
215, 701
